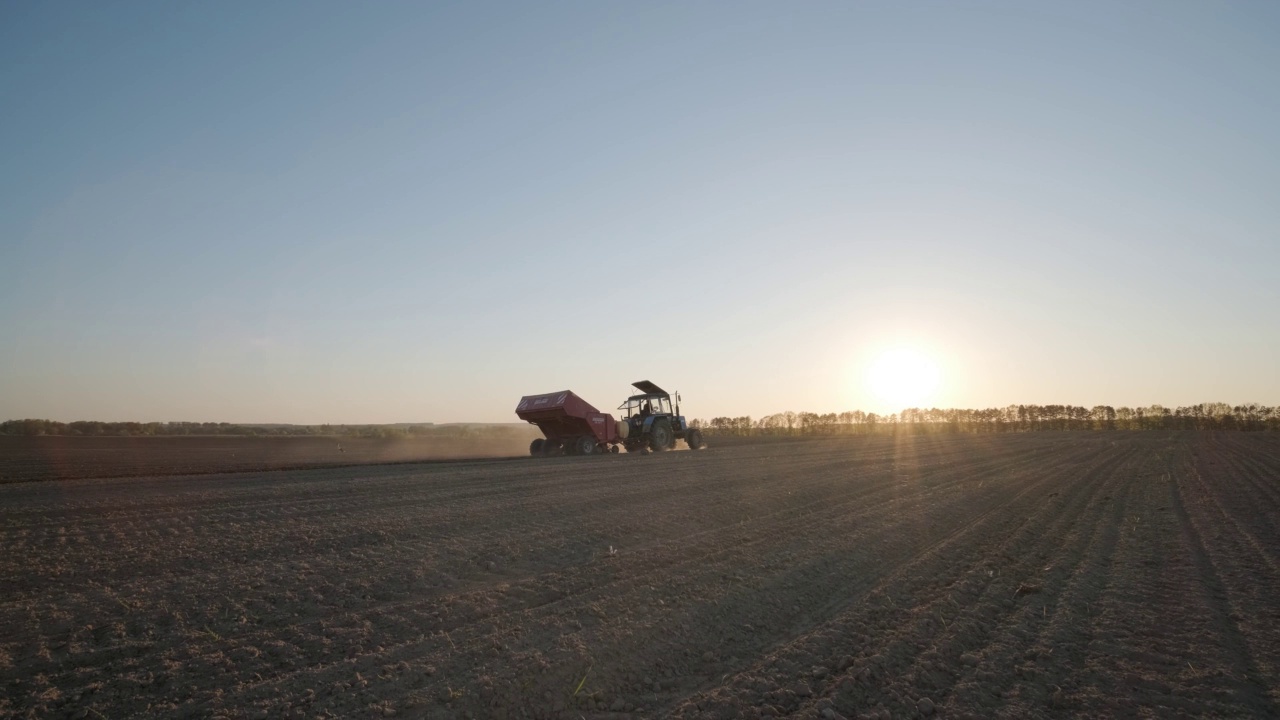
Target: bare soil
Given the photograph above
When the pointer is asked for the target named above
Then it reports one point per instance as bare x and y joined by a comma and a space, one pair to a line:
24, 459
1020, 576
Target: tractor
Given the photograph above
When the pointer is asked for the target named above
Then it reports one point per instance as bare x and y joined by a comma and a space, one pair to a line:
653, 424
571, 426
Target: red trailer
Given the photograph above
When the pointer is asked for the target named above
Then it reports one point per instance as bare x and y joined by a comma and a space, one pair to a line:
571, 425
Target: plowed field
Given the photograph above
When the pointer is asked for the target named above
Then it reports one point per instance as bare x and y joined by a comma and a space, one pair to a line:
1019, 576
24, 459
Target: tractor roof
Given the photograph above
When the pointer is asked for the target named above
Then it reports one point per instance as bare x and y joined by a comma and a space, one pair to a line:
647, 387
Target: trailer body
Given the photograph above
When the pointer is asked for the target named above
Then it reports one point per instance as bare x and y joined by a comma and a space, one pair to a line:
571, 425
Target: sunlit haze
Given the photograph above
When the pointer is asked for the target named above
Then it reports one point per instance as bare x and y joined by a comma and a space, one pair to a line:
400, 212
901, 378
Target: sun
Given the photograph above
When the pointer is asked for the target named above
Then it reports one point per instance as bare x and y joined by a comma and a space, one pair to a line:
902, 378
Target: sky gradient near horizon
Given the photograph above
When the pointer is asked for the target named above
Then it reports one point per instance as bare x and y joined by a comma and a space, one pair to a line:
398, 212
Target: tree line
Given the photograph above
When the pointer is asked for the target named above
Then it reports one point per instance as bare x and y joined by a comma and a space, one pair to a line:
1014, 418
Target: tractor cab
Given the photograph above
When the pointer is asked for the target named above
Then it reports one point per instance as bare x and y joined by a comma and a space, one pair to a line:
653, 422
652, 401
646, 405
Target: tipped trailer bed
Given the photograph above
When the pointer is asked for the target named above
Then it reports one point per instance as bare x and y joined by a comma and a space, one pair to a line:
572, 426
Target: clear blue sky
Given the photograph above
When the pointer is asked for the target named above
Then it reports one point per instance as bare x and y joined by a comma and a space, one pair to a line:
384, 212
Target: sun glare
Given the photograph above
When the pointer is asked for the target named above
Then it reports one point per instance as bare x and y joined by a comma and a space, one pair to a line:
903, 378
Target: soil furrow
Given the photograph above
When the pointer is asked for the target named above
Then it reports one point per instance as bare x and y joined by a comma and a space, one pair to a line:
750, 536
1018, 575
1222, 612
1053, 567
908, 628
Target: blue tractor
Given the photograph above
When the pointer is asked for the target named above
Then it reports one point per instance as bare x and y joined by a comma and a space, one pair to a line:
652, 423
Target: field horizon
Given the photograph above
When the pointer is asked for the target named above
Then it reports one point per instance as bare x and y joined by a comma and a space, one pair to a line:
1208, 415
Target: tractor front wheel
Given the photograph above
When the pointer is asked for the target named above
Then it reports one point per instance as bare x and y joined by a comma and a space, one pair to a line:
585, 445
660, 436
535, 447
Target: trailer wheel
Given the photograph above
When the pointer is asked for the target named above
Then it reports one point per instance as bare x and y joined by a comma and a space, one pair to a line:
660, 435
694, 438
584, 445
535, 447
613, 449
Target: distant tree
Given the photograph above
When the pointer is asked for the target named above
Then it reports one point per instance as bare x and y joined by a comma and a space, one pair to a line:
1103, 417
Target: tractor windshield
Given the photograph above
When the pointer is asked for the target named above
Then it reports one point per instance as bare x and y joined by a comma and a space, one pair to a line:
630, 408
646, 405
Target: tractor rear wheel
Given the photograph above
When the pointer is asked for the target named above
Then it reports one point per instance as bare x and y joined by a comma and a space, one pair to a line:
535, 447
694, 438
660, 436
551, 448
584, 445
